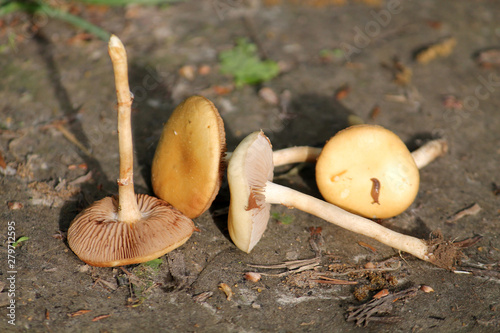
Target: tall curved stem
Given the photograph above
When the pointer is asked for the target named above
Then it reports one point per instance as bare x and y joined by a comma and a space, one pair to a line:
128, 210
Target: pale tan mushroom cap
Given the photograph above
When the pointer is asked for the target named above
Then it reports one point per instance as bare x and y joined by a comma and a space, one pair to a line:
353, 157
249, 168
187, 168
99, 239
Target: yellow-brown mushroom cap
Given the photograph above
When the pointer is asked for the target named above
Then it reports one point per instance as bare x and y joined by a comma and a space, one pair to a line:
99, 239
187, 168
367, 170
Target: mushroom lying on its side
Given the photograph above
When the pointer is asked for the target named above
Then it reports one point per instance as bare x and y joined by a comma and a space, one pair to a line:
250, 174
131, 229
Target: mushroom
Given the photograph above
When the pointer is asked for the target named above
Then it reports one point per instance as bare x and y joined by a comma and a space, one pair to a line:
369, 171
191, 155
250, 174
187, 165
133, 228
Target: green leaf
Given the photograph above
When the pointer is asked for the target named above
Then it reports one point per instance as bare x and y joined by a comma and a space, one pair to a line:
19, 240
243, 63
154, 264
282, 218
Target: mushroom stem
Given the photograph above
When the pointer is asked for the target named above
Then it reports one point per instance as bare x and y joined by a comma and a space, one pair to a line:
429, 152
277, 194
297, 154
128, 210
300, 154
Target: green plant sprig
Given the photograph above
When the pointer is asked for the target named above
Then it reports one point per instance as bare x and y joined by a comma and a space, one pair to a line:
243, 63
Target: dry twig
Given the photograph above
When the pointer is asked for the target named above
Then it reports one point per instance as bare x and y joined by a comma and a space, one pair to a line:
371, 311
294, 266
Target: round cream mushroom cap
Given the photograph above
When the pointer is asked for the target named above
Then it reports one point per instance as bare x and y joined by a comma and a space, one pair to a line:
187, 169
369, 171
98, 238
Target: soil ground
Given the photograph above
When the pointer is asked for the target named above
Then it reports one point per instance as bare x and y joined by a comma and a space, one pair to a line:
58, 77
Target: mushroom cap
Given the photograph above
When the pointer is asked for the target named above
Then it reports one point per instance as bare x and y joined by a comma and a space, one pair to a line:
187, 169
355, 159
99, 239
250, 167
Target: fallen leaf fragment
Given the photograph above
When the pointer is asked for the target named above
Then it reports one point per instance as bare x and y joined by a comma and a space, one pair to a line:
471, 210
3, 165
342, 92
6, 169
82, 166
222, 90
227, 290
204, 70
78, 313
101, 317
367, 246
380, 294
440, 49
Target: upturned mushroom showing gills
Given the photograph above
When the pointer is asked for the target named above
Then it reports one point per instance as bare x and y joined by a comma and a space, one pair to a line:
132, 228
250, 173
369, 171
